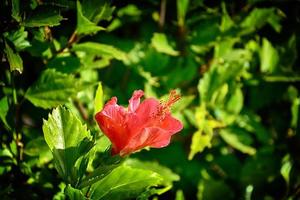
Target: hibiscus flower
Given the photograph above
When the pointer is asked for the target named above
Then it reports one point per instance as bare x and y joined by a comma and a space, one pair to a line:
146, 124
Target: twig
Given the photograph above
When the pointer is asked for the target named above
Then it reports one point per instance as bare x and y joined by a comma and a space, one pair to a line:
162, 15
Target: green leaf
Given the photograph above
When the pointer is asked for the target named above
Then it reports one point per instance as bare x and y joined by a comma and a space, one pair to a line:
200, 141
69, 141
295, 112
43, 16
84, 25
260, 16
14, 59
214, 189
74, 194
52, 89
19, 39
63, 129
100, 49
182, 7
286, 169
15, 10
226, 22
179, 195
231, 137
3, 110
97, 10
203, 136
165, 172
269, 57
124, 183
64, 64
36, 146
236, 101
160, 42
98, 103
252, 123
206, 31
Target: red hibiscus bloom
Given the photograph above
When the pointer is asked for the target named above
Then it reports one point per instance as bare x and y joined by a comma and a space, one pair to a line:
146, 124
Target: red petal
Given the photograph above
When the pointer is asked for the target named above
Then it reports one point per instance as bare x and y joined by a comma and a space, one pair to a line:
112, 120
148, 137
171, 124
134, 101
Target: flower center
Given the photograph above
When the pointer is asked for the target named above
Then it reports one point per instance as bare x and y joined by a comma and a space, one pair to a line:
165, 107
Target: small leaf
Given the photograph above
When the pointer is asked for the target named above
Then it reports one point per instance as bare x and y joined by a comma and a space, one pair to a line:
14, 59
286, 169
52, 89
295, 112
96, 10
74, 194
100, 49
269, 57
15, 10
43, 16
203, 136
84, 25
233, 140
19, 39
182, 7
98, 104
3, 110
227, 22
236, 101
260, 16
200, 141
124, 183
179, 195
160, 42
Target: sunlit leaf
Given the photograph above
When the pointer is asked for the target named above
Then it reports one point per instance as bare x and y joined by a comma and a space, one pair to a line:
182, 7
234, 141
98, 103
179, 195
203, 136
14, 59
69, 141
286, 169
74, 194
269, 57
84, 25
200, 141
19, 39
63, 129
260, 16
124, 183
100, 49
160, 42
165, 172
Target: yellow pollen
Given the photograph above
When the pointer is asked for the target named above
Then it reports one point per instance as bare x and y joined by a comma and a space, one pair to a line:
165, 107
